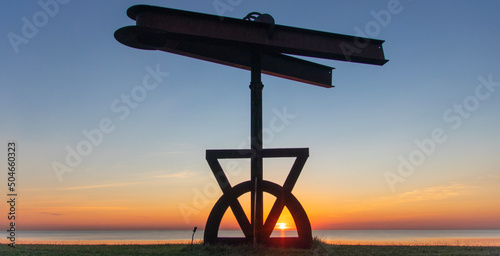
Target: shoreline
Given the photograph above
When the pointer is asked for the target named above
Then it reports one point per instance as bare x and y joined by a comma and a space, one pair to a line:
470, 242
318, 248
476, 238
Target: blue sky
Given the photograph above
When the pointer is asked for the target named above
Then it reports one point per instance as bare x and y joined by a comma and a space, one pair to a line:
66, 77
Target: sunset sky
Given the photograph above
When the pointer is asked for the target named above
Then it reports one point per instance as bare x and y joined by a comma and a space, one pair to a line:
413, 144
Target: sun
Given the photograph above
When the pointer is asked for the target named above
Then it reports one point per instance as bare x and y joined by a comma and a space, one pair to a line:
281, 226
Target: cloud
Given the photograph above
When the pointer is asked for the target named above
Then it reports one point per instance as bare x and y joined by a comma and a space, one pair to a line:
69, 210
103, 186
165, 153
434, 193
178, 175
430, 193
33, 189
52, 213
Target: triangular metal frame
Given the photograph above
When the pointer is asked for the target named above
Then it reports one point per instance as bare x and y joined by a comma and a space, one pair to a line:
284, 197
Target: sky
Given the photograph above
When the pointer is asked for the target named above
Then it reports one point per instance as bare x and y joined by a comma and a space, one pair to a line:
412, 144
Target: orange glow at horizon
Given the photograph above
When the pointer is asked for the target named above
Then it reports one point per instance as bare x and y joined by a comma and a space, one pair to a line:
456, 205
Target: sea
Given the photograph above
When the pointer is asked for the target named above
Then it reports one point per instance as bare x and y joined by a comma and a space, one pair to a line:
341, 237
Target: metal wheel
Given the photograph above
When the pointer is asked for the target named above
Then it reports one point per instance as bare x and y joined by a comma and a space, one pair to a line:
227, 200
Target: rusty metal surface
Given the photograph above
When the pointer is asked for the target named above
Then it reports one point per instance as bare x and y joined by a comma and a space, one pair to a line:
211, 28
274, 64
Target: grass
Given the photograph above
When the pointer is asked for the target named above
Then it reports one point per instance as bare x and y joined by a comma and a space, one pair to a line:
319, 248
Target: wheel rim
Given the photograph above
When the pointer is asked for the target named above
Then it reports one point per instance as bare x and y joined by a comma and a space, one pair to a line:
290, 201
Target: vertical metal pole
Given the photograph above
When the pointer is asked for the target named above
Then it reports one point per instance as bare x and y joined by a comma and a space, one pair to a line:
257, 211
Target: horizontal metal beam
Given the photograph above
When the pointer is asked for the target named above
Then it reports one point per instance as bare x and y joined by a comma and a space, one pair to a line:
267, 152
272, 63
205, 28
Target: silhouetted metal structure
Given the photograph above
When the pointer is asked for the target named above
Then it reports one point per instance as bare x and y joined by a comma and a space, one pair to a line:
257, 44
